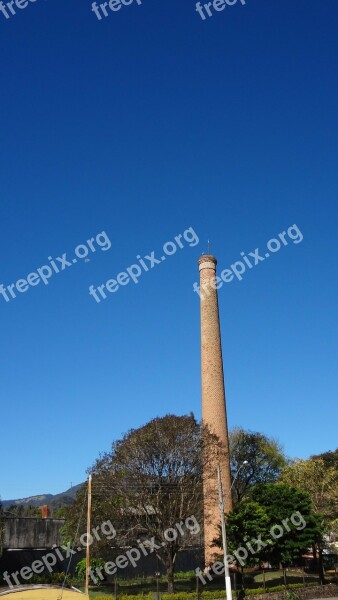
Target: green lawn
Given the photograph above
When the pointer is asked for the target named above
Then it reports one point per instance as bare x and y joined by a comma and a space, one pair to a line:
292, 576
188, 584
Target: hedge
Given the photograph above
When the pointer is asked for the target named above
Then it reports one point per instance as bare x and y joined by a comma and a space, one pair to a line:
204, 595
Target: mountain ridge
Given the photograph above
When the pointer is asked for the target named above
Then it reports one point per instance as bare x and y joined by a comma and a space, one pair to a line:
54, 500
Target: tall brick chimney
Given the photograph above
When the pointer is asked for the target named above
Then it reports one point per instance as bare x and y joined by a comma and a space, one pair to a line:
213, 405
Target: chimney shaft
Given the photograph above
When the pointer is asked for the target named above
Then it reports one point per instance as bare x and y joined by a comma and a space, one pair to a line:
213, 404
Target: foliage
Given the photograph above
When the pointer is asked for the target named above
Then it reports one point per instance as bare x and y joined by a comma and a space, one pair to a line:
319, 477
319, 480
52, 579
185, 574
268, 506
60, 513
2, 529
80, 569
20, 510
211, 595
330, 458
149, 481
265, 459
248, 520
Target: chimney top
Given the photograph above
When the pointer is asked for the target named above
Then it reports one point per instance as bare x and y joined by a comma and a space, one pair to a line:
207, 261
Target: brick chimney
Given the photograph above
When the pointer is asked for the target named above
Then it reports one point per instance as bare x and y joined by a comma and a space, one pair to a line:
213, 405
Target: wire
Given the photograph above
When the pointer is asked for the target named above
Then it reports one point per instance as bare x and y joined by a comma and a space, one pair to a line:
72, 547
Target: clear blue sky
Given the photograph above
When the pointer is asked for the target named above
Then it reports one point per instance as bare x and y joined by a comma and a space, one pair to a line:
141, 125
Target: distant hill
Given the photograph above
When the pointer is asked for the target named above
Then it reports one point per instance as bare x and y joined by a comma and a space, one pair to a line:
53, 501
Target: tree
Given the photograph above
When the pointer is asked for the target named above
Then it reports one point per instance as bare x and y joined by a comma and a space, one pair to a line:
20, 510
2, 528
319, 480
150, 482
265, 459
330, 458
318, 476
283, 518
247, 521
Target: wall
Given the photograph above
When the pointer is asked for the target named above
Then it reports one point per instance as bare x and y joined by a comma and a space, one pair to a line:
26, 533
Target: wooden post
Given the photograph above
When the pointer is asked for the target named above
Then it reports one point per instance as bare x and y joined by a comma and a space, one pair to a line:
284, 577
158, 574
88, 532
228, 591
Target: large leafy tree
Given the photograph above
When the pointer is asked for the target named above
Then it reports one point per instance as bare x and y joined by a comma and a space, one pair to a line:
247, 521
281, 517
318, 476
330, 458
2, 528
264, 456
320, 480
150, 481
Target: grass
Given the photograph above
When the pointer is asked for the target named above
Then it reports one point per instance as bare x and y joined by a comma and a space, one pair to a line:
292, 576
142, 588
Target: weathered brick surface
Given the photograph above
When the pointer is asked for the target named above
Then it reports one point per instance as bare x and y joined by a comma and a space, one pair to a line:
213, 402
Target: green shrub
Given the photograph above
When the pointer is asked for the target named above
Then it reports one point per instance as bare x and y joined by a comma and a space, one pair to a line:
205, 595
80, 568
52, 579
146, 596
210, 595
184, 574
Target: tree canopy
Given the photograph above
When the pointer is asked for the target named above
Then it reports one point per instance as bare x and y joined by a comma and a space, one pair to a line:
319, 480
330, 458
275, 523
265, 459
2, 528
150, 482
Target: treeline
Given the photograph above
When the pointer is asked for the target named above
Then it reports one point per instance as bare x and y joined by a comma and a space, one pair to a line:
151, 480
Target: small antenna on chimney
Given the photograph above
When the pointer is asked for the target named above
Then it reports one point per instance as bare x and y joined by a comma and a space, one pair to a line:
208, 246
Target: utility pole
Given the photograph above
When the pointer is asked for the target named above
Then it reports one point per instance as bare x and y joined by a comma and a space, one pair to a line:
224, 537
88, 532
224, 534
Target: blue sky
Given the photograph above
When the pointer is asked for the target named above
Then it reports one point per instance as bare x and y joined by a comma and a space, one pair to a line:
142, 125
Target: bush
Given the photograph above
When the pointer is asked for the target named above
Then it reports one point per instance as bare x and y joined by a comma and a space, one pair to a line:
131, 597
205, 595
185, 574
52, 579
80, 569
